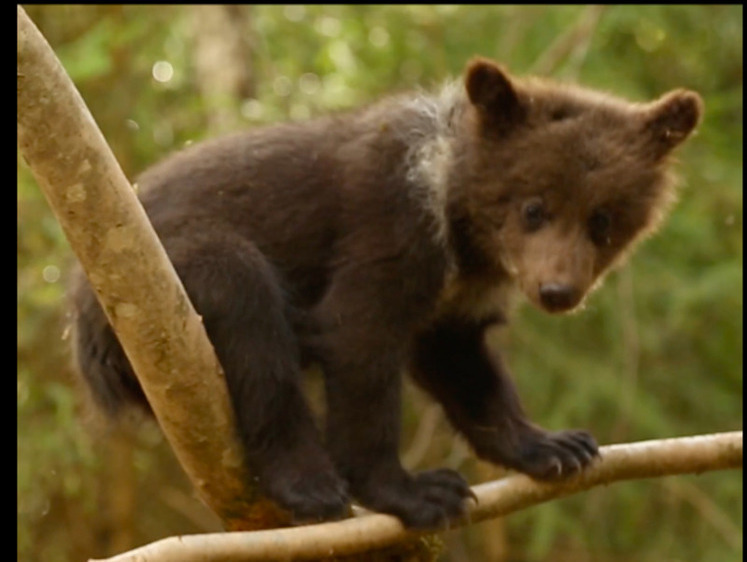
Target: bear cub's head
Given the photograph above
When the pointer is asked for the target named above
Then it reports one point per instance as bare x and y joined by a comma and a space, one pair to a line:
557, 182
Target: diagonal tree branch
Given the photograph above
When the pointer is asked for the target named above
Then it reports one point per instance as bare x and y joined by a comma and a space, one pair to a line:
646, 459
162, 335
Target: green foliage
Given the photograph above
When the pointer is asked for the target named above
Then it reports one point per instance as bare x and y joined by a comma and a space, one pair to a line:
656, 353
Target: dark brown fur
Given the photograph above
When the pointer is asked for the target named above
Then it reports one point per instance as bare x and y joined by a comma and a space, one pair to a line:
390, 237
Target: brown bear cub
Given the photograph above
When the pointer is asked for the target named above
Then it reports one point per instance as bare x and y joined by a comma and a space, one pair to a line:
388, 239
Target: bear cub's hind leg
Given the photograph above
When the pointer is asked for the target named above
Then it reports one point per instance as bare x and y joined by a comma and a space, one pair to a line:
245, 311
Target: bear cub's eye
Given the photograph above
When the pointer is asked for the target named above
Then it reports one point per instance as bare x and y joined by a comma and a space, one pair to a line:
559, 114
600, 223
533, 213
563, 112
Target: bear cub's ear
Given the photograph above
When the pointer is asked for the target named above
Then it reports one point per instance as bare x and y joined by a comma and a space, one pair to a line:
490, 90
671, 118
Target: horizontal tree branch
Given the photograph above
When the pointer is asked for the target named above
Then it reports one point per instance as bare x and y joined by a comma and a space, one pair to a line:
646, 459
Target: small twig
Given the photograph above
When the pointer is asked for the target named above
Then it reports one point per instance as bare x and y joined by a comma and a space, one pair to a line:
574, 42
708, 511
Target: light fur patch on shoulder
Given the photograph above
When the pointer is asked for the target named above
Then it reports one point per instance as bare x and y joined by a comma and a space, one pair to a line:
431, 147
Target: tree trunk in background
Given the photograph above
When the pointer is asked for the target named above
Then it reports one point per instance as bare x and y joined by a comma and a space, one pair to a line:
120, 493
494, 536
223, 61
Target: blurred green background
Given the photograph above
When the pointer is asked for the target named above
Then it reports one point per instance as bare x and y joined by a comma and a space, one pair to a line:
657, 352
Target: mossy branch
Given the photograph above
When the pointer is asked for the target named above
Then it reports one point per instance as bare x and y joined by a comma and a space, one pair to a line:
631, 461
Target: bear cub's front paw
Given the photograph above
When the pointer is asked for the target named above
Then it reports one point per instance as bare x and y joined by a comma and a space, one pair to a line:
547, 455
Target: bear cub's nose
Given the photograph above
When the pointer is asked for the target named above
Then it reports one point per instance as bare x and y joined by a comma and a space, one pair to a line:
557, 297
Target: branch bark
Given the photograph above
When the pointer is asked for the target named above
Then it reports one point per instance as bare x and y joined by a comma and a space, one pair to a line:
646, 459
162, 335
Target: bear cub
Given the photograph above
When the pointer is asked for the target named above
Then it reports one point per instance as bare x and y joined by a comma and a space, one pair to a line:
389, 239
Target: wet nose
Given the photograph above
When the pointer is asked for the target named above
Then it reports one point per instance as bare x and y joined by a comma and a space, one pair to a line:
557, 297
